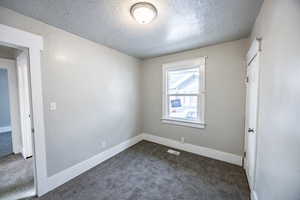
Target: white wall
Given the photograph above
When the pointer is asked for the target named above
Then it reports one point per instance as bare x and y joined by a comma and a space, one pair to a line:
225, 73
95, 88
278, 161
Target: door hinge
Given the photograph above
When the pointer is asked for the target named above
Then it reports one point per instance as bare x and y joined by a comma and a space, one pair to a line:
251, 130
32, 130
247, 79
243, 159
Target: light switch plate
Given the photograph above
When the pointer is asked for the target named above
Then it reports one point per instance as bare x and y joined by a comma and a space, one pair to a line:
53, 106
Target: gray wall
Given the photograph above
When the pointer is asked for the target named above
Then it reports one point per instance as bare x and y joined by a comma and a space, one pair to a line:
278, 161
225, 73
96, 89
4, 99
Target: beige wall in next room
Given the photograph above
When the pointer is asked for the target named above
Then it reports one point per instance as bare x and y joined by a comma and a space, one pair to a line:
225, 99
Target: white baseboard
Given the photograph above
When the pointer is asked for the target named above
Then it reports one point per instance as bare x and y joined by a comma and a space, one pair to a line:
203, 151
70, 173
5, 129
253, 195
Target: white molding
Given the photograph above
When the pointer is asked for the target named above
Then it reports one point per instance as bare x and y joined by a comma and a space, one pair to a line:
253, 195
183, 123
70, 173
5, 129
66, 175
253, 53
254, 49
185, 64
20, 39
203, 151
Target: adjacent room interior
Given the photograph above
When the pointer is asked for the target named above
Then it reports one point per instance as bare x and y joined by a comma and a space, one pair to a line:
16, 148
149, 100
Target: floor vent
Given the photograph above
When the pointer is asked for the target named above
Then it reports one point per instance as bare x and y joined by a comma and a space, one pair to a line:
171, 151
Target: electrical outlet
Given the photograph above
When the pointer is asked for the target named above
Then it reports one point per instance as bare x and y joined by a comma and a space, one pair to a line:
182, 140
171, 151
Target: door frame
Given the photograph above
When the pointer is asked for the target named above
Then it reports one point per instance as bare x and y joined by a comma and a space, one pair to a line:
253, 53
34, 43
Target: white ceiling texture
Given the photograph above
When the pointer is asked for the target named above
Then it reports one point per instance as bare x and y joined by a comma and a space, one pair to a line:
180, 24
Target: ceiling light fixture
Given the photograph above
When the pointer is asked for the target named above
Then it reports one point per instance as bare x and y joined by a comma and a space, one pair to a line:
143, 12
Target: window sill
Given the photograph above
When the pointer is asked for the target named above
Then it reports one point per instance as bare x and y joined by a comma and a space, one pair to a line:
179, 122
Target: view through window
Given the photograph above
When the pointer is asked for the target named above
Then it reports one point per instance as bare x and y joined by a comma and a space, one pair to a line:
183, 91
184, 88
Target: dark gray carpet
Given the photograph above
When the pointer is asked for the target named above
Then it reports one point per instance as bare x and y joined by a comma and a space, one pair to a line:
16, 177
146, 172
5, 144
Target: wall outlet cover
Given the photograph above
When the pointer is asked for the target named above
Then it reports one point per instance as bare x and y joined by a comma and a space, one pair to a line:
182, 140
171, 151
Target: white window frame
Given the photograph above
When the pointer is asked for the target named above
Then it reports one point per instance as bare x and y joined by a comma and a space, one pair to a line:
185, 64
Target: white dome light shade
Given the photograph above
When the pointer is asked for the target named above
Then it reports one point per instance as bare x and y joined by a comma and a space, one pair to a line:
143, 12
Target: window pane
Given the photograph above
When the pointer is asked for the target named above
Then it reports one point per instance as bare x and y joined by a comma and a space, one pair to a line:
183, 107
185, 81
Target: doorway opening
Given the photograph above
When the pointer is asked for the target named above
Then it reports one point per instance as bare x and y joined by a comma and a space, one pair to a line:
16, 141
22, 40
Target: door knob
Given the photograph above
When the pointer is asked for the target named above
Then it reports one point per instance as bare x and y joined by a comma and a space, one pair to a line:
250, 130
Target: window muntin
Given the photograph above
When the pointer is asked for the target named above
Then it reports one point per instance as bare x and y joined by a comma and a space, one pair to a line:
183, 96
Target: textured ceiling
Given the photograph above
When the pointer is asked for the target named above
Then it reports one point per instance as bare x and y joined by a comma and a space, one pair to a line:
180, 25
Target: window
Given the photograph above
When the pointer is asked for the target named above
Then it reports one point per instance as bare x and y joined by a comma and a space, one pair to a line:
184, 93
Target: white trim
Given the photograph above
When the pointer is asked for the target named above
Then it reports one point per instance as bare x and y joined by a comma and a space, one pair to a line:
185, 64
254, 195
253, 51
21, 39
183, 123
203, 151
5, 129
74, 171
70, 173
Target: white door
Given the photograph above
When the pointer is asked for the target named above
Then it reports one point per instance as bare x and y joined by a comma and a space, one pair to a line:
251, 117
24, 97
